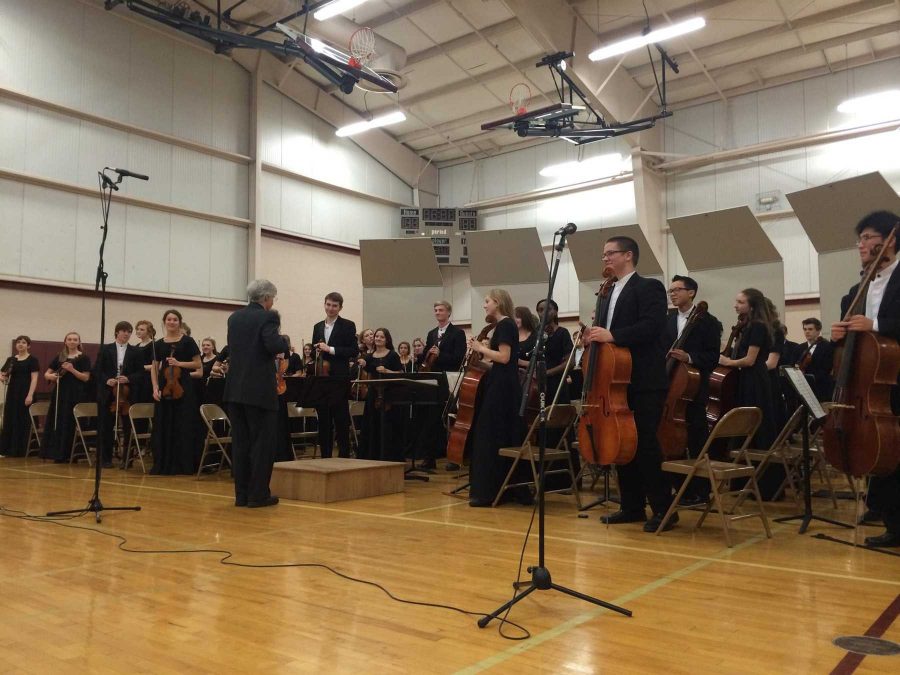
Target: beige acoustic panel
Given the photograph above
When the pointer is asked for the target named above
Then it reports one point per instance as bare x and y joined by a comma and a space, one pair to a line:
838, 272
406, 311
398, 262
527, 295
829, 212
586, 247
722, 239
500, 258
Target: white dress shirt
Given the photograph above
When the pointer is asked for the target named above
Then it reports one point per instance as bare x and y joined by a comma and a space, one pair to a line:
617, 289
876, 292
120, 355
328, 328
681, 319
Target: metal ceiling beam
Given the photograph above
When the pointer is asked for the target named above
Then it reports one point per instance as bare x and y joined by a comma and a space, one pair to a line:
464, 41
632, 29
401, 12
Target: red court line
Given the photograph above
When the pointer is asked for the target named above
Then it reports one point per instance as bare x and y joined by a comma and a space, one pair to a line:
851, 661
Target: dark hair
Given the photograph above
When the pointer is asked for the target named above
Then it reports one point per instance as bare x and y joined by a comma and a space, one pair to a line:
23, 337
689, 283
552, 304
408, 347
172, 311
777, 326
880, 221
629, 245
813, 321
334, 296
759, 308
388, 340
526, 317
123, 325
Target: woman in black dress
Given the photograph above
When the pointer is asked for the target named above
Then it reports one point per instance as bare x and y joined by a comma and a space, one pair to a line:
199, 377
557, 349
407, 362
498, 424
382, 363
773, 360
527, 336
70, 370
176, 448
418, 352
19, 374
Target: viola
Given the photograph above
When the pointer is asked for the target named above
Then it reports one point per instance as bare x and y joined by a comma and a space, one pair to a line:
684, 383
723, 379
861, 435
465, 404
606, 431
120, 400
281, 365
172, 375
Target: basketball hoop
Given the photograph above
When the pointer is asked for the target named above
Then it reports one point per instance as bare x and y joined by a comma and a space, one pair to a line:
362, 47
518, 97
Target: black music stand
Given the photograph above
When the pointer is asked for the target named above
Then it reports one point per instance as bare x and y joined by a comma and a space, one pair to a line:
318, 391
811, 406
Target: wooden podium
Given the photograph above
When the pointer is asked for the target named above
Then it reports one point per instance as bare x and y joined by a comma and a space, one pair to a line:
335, 479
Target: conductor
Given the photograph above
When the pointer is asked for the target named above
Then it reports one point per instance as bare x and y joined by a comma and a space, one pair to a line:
254, 340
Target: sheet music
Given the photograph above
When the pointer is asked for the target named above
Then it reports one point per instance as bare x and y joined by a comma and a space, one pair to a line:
801, 386
452, 378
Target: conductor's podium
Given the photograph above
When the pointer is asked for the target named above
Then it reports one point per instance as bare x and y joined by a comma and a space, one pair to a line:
335, 479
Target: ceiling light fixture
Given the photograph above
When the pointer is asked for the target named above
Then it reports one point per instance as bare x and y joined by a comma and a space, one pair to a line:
882, 101
336, 7
639, 41
359, 127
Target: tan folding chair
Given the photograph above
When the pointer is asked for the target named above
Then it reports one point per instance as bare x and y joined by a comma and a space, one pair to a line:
736, 423
136, 412
303, 439
38, 413
560, 417
211, 414
357, 409
82, 412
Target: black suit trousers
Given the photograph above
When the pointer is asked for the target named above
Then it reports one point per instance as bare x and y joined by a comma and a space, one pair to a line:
333, 419
884, 491
252, 450
642, 479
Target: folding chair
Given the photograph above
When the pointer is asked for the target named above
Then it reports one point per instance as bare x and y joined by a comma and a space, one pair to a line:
211, 414
560, 417
139, 411
36, 412
357, 409
736, 423
303, 439
83, 412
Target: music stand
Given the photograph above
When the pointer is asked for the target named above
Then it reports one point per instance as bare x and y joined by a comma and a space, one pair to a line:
318, 391
811, 406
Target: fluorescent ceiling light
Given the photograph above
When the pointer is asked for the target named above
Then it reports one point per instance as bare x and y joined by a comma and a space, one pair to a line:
593, 167
359, 127
639, 41
336, 7
881, 102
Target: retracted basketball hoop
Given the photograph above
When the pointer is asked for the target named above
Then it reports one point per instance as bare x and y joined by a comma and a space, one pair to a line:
519, 95
362, 47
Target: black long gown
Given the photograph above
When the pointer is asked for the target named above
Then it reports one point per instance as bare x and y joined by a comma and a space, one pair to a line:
371, 445
498, 424
16, 421
59, 430
176, 448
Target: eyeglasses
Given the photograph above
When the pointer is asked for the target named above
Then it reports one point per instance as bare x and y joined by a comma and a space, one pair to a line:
866, 238
607, 254
676, 290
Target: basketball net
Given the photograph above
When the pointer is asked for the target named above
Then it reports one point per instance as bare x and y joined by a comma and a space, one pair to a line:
518, 97
362, 47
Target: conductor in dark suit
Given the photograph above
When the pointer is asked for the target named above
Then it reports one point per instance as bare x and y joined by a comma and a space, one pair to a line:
117, 363
335, 341
634, 316
816, 358
700, 349
253, 341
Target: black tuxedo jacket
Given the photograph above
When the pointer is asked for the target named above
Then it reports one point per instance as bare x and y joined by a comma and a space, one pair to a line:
343, 339
820, 365
638, 320
453, 347
888, 312
106, 367
703, 343
253, 342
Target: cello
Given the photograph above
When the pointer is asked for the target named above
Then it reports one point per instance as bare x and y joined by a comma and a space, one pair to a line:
861, 434
606, 431
684, 383
467, 390
723, 379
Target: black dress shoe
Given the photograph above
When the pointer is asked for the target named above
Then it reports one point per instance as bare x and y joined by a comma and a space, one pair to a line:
271, 500
886, 540
451, 466
480, 503
427, 464
870, 516
652, 525
691, 500
107, 465
623, 517
240, 501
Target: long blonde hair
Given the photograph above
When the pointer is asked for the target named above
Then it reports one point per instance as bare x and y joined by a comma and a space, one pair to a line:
503, 300
64, 353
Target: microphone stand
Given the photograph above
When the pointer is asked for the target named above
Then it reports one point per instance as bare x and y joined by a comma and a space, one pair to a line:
94, 505
540, 575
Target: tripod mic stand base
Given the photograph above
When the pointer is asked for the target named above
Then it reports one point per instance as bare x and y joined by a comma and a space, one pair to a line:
94, 506
807, 518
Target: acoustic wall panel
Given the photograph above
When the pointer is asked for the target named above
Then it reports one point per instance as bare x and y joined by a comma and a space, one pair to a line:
229, 188
189, 257
13, 125
51, 145
151, 103
231, 106
147, 249
12, 203
48, 234
191, 181
228, 262
105, 75
152, 159
54, 51
269, 212
296, 205
192, 101
99, 147
88, 234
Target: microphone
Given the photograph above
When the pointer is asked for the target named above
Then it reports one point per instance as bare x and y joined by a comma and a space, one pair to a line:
126, 172
569, 228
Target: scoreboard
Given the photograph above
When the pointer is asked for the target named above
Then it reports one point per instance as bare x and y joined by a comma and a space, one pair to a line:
447, 229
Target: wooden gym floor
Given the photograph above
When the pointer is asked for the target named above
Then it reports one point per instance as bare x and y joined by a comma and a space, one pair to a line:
70, 601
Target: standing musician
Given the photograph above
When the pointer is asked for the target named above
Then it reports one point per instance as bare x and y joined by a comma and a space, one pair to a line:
117, 363
250, 393
556, 350
527, 335
817, 359
418, 351
295, 361
634, 316
335, 341
882, 316
20, 374
701, 350
70, 371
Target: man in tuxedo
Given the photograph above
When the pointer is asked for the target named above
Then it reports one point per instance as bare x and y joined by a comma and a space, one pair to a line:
700, 349
335, 341
634, 316
117, 363
816, 359
882, 315
253, 341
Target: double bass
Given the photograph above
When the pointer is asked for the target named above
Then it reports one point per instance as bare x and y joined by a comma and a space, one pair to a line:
723, 379
684, 383
606, 431
861, 434
474, 370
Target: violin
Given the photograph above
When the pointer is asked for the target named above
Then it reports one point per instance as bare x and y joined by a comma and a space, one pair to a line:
120, 402
430, 357
606, 430
861, 435
281, 365
723, 379
806, 359
465, 403
172, 375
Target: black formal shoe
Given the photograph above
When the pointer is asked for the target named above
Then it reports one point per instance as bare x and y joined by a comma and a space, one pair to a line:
272, 500
691, 500
427, 464
107, 465
240, 501
870, 516
886, 540
451, 466
652, 525
623, 517
480, 503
